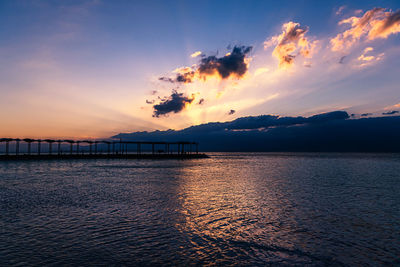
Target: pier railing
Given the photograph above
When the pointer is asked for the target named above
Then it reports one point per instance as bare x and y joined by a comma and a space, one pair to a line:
12, 147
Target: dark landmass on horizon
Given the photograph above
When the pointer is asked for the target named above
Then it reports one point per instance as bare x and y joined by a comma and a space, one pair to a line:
327, 132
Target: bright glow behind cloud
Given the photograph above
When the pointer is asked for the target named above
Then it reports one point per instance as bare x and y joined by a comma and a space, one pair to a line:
303, 65
76, 70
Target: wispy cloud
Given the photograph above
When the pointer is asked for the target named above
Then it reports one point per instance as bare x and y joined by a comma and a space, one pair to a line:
375, 23
340, 10
366, 58
391, 112
195, 54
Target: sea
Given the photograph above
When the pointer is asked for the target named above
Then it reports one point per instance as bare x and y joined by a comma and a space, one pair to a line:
232, 209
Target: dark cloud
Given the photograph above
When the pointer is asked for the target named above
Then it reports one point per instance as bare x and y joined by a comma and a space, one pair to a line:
329, 116
166, 79
341, 60
232, 111
366, 114
232, 64
186, 77
329, 133
267, 121
174, 103
201, 101
390, 112
150, 101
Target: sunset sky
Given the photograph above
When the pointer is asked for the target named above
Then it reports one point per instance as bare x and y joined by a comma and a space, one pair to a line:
89, 69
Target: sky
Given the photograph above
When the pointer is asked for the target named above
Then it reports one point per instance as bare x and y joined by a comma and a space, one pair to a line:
95, 68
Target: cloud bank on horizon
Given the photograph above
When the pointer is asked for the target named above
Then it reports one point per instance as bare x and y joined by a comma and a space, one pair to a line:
245, 78
327, 132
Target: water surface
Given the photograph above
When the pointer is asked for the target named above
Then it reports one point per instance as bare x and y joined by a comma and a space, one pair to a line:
230, 209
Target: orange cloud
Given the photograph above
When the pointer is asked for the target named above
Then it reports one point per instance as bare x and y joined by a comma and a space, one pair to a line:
363, 57
290, 43
195, 54
368, 59
375, 23
390, 24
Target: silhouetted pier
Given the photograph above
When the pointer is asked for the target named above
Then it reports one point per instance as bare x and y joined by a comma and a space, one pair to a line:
86, 149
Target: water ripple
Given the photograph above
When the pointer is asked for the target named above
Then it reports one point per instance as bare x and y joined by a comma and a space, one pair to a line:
231, 209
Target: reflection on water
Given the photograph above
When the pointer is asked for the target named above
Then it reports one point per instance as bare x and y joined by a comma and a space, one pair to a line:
244, 209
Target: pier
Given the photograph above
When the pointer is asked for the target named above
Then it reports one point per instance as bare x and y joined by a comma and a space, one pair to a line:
96, 149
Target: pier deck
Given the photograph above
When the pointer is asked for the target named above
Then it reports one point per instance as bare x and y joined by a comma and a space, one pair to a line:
38, 149
102, 156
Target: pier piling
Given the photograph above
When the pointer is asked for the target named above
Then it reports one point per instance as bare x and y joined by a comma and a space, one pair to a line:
84, 149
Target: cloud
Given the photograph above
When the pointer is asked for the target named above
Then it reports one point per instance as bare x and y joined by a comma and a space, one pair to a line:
366, 114
363, 56
341, 60
268, 121
340, 10
368, 59
174, 103
268, 133
263, 122
185, 75
166, 79
201, 101
195, 54
313, 67
290, 43
233, 64
375, 23
150, 101
231, 112
358, 11
323, 117
390, 24
391, 112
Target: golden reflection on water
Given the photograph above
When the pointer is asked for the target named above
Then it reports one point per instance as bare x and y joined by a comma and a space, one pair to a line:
222, 204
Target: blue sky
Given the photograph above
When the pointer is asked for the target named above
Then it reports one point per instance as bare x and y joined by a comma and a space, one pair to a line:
86, 68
